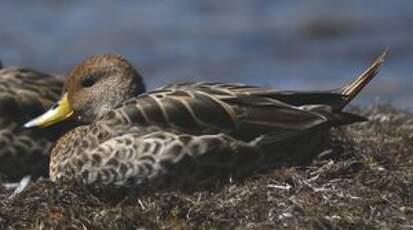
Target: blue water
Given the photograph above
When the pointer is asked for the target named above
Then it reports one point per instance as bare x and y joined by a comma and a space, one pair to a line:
285, 44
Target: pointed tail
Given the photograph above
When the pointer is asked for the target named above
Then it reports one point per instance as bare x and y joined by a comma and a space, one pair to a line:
351, 90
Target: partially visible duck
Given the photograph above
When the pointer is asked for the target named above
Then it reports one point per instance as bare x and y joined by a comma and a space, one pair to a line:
184, 132
25, 93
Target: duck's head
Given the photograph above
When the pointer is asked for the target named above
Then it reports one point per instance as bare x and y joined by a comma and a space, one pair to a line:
93, 88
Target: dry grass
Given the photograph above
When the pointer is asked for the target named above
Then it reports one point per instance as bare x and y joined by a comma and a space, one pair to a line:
366, 181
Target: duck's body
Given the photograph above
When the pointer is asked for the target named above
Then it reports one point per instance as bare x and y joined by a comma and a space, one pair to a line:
185, 132
25, 93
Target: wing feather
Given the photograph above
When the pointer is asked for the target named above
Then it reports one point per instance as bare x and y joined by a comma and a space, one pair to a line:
210, 108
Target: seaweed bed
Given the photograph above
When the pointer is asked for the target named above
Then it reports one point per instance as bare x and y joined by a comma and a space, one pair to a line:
366, 181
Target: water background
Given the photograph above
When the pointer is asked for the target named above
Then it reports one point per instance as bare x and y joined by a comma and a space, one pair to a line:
284, 44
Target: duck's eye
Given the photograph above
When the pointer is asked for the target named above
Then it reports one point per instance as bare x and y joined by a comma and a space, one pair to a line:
88, 81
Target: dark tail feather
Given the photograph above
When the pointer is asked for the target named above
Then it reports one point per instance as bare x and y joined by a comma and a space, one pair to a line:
351, 90
344, 118
336, 118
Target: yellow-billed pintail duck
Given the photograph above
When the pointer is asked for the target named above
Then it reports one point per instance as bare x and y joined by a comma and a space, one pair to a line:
183, 132
25, 93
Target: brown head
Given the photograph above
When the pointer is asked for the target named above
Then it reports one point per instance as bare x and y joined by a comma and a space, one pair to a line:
93, 88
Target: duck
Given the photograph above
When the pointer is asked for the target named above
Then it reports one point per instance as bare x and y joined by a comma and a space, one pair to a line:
183, 133
25, 93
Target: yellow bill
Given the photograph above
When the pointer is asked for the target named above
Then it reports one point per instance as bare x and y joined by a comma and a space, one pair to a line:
57, 113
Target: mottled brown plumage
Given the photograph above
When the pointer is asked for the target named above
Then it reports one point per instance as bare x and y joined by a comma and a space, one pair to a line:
25, 93
182, 131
